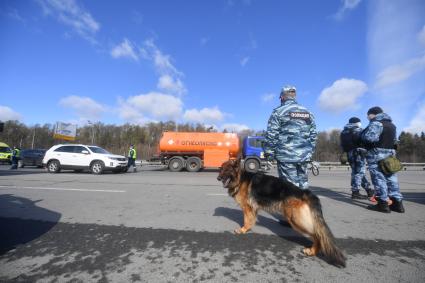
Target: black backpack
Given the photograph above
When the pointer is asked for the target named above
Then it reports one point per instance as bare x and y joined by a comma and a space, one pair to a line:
350, 140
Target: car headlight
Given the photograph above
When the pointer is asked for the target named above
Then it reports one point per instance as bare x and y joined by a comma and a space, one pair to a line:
114, 158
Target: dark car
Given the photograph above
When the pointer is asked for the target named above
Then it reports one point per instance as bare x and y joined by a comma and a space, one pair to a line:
32, 157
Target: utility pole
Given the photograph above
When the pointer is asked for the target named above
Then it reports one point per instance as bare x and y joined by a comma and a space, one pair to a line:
33, 138
92, 131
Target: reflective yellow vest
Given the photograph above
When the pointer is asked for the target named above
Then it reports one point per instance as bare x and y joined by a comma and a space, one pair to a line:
132, 153
16, 152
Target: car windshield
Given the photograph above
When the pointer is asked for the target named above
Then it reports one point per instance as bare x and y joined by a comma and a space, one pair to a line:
100, 150
4, 149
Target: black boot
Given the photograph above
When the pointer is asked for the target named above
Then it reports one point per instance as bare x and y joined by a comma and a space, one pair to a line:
381, 206
357, 195
397, 205
370, 193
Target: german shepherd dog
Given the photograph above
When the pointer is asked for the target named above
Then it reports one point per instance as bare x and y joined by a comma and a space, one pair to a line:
302, 209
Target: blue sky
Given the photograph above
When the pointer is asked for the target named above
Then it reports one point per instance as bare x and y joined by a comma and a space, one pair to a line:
221, 63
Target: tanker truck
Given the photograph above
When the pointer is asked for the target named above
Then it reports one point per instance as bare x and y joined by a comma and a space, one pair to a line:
195, 151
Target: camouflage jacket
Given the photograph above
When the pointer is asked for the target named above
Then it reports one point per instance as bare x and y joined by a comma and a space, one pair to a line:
291, 133
372, 135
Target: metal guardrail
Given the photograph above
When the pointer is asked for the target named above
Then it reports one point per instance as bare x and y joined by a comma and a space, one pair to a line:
405, 165
322, 165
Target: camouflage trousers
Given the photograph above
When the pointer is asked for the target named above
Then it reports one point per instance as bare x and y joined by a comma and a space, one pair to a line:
385, 185
295, 173
358, 171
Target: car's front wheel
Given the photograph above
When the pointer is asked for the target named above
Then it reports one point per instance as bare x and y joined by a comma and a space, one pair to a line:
53, 166
97, 167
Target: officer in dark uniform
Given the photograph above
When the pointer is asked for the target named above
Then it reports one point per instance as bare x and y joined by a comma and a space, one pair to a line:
132, 158
16, 154
350, 143
379, 139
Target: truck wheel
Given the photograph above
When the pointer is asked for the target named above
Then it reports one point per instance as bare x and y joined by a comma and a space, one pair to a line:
53, 166
176, 164
97, 167
193, 164
252, 165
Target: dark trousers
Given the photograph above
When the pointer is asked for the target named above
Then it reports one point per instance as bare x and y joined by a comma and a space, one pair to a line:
131, 162
14, 163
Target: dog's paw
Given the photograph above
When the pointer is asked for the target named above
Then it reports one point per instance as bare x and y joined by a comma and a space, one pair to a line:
240, 231
309, 252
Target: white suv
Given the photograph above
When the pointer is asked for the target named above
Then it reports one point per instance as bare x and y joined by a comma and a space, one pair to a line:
81, 157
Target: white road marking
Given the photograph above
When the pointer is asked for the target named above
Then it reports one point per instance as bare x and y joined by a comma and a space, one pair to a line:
62, 189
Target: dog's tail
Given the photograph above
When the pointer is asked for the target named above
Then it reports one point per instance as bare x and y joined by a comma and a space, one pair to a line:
322, 233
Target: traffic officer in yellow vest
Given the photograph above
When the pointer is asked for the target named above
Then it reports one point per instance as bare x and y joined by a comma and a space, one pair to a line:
132, 158
16, 154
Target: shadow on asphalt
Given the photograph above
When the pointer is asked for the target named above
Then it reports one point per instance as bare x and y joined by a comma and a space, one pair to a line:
418, 198
283, 231
16, 172
16, 231
341, 196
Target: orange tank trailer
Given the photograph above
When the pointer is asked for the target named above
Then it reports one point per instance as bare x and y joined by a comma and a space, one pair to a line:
193, 150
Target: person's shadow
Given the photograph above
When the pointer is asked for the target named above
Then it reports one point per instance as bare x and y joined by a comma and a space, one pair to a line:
15, 230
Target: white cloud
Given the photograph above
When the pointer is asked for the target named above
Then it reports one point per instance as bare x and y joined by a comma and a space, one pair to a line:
171, 85
13, 14
395, 56
347, 5
170, 77
85, 107
342, 95
234, 127
417, 124
125, 49
204, 41
244, 61
129, 113
71, 14
267, 97
421, 36
398, 73
7, 113
153, 105
162, 62
205, 115
137, 17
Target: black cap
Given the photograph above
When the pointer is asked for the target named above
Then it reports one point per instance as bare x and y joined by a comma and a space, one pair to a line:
353, 120
375, 110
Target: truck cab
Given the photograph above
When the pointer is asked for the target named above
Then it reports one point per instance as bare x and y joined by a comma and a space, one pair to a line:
253, 153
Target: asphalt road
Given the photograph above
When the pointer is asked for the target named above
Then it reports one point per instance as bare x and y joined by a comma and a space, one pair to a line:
158, 226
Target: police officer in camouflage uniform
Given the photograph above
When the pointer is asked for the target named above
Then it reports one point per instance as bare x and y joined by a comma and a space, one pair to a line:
380, 139
291, 138
350, 143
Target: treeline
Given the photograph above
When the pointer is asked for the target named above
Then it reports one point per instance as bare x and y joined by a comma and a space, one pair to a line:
117, 139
